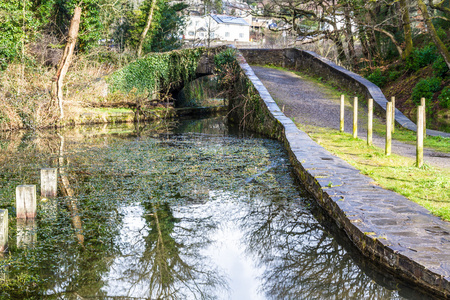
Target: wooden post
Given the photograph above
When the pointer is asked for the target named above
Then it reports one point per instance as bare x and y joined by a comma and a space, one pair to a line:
341, 122
419, 144
26, 201
355, 117
3, 230
393, 114
369, 121
388, 128
423, 103
49, 182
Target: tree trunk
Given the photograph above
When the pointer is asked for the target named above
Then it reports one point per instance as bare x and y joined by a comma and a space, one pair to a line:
340, 47
371, 35
404, 8
364, 44
392, 37
432, 31
66, 59
350, 40
146, 28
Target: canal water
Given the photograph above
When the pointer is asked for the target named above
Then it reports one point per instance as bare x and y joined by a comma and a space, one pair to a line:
186, 210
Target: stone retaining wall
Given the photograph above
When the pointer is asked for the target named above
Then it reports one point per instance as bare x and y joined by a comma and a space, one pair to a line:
316, 65
388, 228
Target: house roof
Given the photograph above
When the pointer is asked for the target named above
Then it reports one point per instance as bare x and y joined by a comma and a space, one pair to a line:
224, 19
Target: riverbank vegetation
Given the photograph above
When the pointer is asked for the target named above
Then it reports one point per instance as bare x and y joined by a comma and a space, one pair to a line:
39, 71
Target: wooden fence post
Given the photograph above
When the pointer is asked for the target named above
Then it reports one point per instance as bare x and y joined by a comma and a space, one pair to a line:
342, 112
393, 114
388, 128
355, 117
369, 121
419, 144
423, 103
26, 201
3, 230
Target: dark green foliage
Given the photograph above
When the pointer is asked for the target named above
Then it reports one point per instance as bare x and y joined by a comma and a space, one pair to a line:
393, 75
377, 78
164, 32
167, 32
444, 97
156, 72
17, 26
421, 58
440, 68
426, 88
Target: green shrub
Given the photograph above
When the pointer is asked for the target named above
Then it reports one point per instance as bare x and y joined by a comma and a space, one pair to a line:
393, 75
425, 88
441, 33
444, 97
440, 68
377, 78
420, 58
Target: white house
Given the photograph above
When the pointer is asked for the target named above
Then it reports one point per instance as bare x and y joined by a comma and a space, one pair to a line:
217, 28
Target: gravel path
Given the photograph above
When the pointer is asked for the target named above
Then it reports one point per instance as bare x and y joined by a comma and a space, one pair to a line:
312, 104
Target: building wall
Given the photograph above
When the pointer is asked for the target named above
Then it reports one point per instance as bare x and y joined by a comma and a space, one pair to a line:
197, 28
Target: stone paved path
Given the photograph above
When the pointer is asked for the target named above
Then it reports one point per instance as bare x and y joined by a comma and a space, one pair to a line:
313, 105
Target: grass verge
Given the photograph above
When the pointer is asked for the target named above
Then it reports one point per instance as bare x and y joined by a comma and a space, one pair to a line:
427, 186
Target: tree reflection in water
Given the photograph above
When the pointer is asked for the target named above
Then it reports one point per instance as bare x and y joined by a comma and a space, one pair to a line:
302, 260
166, 262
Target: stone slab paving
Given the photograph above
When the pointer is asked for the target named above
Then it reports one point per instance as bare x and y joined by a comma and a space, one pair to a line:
385, 226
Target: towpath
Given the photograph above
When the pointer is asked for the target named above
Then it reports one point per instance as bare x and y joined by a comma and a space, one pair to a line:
308, 103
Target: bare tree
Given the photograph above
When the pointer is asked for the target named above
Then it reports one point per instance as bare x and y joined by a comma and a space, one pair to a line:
66, 59
146, 28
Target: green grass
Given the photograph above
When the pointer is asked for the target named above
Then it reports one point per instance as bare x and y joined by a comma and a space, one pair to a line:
427, 186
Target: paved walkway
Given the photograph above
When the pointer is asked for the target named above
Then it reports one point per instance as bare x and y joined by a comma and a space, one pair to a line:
313, 105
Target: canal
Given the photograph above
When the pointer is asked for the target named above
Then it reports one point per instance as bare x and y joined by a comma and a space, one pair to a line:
192, 209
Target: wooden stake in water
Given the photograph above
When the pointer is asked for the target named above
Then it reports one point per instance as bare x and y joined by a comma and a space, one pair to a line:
423, 103
3, 230
26, 201
388, 128
419, 147
393, 114
342, 111
49, 182
355, 117
369, 121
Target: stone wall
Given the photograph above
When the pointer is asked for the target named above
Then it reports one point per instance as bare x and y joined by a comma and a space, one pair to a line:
387, 228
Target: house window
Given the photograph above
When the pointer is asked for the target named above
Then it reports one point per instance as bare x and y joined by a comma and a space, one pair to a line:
241, 35
227, 34
202, 34
191, 33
